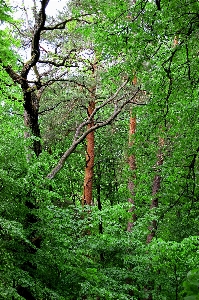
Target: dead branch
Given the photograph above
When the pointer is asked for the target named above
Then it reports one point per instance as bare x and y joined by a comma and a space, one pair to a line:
78, 130
62, 25
58, 64
50, 108
118, 108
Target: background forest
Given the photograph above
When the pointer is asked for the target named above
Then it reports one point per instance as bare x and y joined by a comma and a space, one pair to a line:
99, 150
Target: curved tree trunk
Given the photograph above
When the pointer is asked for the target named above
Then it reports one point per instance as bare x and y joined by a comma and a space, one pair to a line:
31, 94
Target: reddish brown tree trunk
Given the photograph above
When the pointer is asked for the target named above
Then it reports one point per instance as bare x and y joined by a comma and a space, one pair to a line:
132, 166
88, 179
90, 155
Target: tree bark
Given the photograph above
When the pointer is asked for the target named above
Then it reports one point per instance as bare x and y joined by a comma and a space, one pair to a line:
31, 120
89, 172
132, 166
90, 139
32, 94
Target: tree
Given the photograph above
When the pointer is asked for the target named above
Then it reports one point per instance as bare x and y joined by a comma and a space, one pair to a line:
89, 169
167, 75
46, 251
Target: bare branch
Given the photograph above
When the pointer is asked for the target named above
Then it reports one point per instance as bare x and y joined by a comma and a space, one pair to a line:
91, 117
62, 25
19, 30
59, 79
57, 64
110, 99
76, 142
72, 105
26, 15
50, 108
77, 83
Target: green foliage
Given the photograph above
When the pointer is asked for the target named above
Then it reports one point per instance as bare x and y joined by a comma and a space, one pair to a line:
51, 246
191, 285
7, 41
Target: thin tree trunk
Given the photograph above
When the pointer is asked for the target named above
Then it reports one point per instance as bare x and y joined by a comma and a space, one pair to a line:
99, 204
155, 190
132, 166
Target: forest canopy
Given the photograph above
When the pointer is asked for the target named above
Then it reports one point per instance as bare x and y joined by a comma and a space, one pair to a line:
99, 150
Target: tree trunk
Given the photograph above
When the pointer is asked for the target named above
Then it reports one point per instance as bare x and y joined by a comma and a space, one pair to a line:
132, 166
99, 204
90, 156
32, 93
88, 179
31, 119
155, 190
31, 98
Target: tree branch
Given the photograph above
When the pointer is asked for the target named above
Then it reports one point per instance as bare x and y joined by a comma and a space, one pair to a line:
50, 108
40, 19
15, 77
62, 25
58, 64
77, 141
